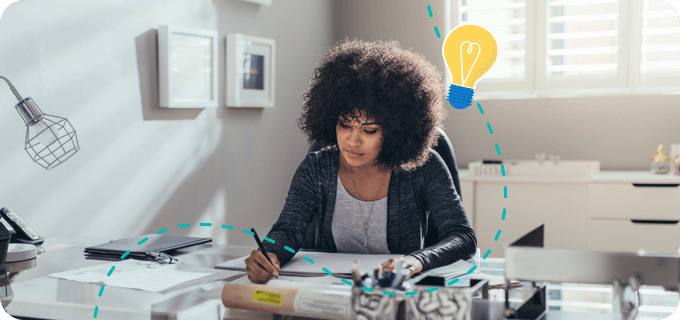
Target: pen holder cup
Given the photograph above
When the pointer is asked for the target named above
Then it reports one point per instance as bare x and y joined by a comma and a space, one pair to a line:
444, 303
427, 303
373, 305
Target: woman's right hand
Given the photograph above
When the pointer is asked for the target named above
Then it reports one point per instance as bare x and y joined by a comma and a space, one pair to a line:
255, 263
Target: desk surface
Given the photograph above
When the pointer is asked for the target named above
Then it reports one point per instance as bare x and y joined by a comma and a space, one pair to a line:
37, 296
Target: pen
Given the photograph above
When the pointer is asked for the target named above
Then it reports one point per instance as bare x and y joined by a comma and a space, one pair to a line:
259, 244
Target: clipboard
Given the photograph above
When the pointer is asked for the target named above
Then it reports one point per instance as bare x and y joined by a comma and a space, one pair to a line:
154, 242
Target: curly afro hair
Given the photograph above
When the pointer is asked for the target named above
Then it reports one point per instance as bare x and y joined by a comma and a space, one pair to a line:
399, 89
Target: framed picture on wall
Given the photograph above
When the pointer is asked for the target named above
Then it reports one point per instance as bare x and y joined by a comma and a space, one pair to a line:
187, 67
250, 71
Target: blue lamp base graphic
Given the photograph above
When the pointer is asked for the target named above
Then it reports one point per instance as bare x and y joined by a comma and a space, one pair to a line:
460, 97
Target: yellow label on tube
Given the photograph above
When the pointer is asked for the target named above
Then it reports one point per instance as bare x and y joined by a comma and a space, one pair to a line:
268, 297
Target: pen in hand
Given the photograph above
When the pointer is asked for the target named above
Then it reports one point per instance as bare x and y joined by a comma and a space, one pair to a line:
259, 244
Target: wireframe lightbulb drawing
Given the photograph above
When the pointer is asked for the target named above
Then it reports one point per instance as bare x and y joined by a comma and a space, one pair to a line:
469, 52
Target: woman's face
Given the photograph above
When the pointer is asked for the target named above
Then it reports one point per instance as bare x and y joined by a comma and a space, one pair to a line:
359, 141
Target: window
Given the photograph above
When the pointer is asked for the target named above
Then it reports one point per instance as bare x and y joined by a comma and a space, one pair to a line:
577, 47
582, 37
507, 21
660, 38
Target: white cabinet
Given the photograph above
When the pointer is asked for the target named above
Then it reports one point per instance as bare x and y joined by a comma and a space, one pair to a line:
631, 211
619, 211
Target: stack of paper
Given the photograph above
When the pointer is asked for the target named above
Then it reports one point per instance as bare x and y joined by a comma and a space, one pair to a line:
313, 263
298, 282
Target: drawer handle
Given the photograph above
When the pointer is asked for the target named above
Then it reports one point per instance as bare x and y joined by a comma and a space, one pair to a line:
655, 221
667, 185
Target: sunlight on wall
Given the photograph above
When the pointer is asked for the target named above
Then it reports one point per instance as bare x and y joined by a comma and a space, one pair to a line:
215, 214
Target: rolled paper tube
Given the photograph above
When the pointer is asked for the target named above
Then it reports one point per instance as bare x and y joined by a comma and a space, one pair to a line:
318, 301
259, 298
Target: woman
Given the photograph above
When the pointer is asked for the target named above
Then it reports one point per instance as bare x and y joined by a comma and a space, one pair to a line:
373, 108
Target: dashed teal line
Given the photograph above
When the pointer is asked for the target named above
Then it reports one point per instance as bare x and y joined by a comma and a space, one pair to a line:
411, 293
143, 240
498, 234
327, 271
505, 195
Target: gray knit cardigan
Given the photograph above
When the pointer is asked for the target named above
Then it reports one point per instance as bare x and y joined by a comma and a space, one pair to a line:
313, 192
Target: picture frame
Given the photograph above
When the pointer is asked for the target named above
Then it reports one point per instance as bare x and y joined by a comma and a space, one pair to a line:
187, 67
250, 71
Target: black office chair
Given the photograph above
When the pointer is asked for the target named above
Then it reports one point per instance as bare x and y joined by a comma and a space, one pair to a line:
443, 148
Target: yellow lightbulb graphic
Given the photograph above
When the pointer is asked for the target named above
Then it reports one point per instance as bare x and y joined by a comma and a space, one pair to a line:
469, 52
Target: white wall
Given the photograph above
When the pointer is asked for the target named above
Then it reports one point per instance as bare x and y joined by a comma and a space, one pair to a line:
141, 168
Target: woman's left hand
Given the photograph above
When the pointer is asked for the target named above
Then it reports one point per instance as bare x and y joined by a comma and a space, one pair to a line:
410, 262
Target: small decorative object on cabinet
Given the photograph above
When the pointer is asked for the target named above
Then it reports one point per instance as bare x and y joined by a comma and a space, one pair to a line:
660, 163
187, 67
250, 71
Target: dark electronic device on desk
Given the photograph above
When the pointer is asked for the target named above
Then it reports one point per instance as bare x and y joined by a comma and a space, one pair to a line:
22, 233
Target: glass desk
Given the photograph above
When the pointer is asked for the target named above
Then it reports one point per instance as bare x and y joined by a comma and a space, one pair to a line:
586, 301
33, 295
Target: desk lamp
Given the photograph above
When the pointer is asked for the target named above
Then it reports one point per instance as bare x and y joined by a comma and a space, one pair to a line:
50, 140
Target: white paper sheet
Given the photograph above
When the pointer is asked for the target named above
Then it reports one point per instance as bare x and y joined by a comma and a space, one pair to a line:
298, 282
136, 274
340, 263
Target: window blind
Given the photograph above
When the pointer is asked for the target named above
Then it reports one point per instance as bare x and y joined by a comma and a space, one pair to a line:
582, 37
506, 20
660, 49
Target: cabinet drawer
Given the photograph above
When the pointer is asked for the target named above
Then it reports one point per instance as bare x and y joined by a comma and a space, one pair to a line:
624, 235
639, 201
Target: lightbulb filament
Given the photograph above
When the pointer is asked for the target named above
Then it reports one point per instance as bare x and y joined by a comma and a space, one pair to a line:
469, 51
